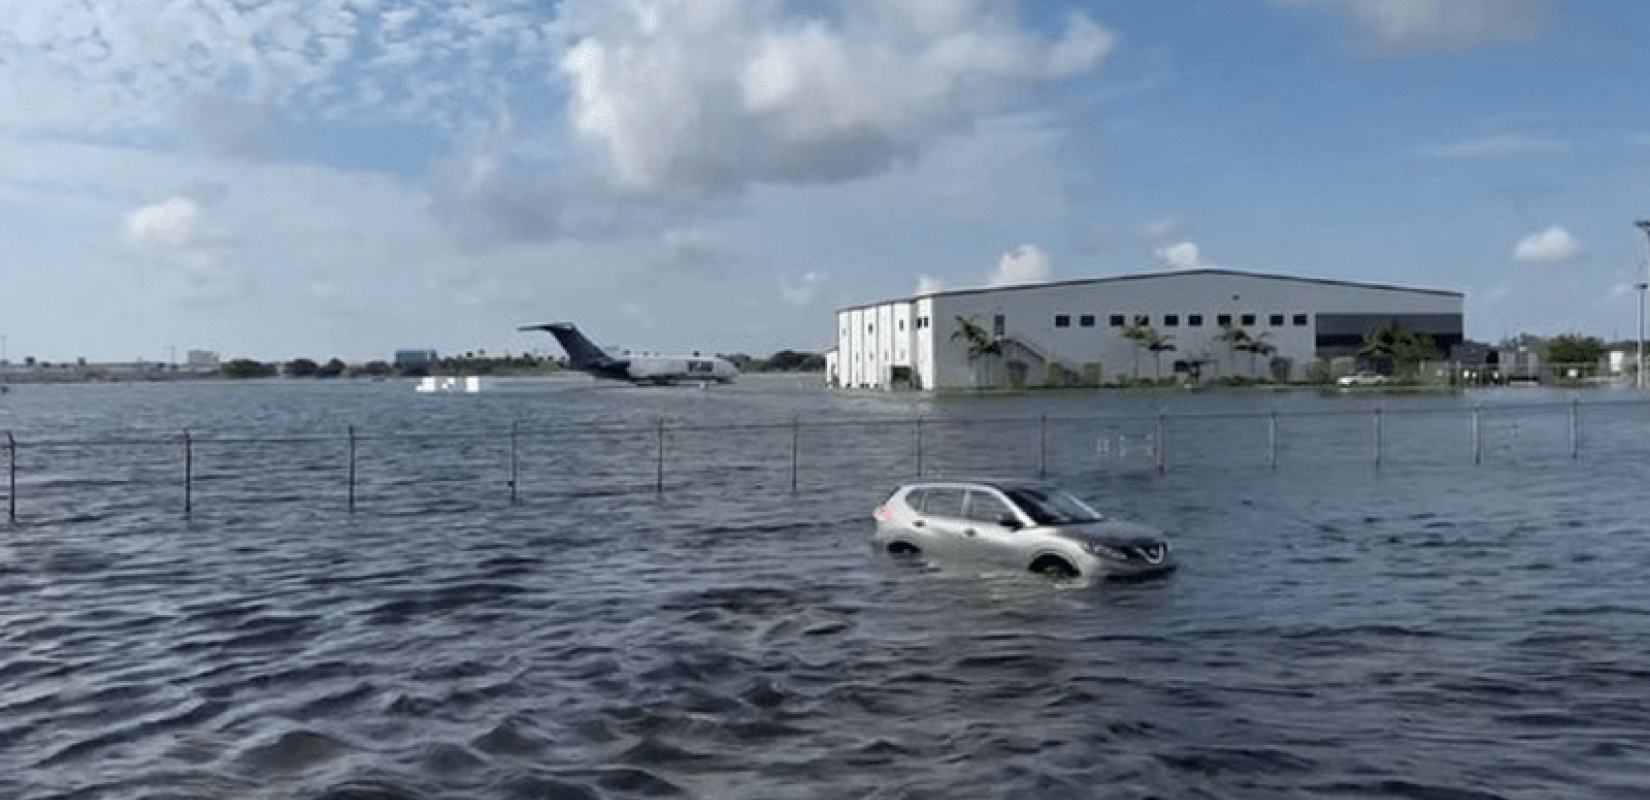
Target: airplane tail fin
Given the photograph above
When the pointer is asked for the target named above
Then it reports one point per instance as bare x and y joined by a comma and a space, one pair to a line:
581, 352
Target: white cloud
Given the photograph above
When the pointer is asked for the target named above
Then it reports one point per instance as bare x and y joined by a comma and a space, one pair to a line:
928, 284
1441, 24
1185, 255
1555, 244
1027, 263
802, 291
1494, 147
95, 68
170, 223
715, 96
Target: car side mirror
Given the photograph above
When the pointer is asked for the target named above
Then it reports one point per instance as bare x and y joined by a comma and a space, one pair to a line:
1009, 521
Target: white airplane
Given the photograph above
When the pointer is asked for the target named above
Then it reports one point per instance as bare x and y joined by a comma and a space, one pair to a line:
584, 356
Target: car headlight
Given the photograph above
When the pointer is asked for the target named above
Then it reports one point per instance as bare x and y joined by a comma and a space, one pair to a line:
1106, 551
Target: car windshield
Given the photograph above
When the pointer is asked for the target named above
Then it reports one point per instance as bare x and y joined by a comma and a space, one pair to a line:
1051, 506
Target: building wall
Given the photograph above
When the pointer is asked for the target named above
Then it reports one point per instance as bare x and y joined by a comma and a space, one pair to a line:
1076, 325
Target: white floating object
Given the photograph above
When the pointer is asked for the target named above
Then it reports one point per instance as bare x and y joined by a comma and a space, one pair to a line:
467, 384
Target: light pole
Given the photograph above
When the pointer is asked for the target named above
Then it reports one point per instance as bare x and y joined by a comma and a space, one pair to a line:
1639, 381
1643, 225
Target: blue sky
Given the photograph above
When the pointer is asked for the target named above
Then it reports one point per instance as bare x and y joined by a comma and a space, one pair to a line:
347, 177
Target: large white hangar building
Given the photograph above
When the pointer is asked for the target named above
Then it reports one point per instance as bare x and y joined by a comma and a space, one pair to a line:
1071, 332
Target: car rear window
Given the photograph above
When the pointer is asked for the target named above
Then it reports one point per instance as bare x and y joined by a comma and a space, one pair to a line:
914, 499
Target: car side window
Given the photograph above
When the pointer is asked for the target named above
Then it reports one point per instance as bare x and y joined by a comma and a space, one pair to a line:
944, 503
985, 507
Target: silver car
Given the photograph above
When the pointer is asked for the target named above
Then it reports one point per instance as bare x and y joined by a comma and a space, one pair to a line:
1022, 524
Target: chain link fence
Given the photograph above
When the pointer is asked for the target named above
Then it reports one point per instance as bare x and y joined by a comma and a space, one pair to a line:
392, 472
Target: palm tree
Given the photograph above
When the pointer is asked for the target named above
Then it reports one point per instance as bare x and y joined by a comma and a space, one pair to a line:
1394, 344
1149, 339
980, 344
1235, 339
1157, 345
1258, 346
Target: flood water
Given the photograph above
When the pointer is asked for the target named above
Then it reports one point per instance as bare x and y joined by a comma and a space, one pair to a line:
1380, 596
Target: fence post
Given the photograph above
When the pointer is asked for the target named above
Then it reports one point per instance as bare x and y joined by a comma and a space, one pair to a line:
1377, 416
1042, 446
188, 473
1162, 461
1477, 435
352, 468
1272, 440
919, 445
659, 468
11, 491
513, 461
1575, 428
796, 434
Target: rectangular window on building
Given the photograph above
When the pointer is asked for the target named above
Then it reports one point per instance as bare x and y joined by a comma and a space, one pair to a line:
1224, 320
1142, 319
999, 324
1194, 320
1248, 319
1087, 320
1275, 321
1116, 320
1300, 320
1171, 320
1062, 320
901, 325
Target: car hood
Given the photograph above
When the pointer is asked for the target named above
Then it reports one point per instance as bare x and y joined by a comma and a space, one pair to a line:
1115, 533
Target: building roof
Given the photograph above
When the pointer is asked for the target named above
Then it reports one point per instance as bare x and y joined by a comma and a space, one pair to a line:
1159, 275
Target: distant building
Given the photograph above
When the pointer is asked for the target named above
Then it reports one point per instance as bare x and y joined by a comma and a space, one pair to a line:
1071, 332
201, 361
415, 359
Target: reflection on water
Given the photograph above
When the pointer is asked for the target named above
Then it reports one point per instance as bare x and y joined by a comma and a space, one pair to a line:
1427, 629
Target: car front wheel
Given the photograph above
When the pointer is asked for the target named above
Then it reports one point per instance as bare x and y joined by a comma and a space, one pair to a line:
1054, 567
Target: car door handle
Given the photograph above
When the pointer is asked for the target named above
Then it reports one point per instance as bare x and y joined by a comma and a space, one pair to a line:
968, 531
917, 523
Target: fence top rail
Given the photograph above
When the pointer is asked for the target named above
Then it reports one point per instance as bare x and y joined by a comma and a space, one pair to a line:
650, 427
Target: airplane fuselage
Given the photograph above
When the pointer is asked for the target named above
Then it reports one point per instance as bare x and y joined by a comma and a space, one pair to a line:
678, 369
586, 357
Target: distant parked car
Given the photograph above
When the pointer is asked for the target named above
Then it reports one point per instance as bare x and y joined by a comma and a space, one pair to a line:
1362, 379
1020, 524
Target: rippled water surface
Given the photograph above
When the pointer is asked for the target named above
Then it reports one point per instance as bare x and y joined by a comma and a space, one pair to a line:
562, 591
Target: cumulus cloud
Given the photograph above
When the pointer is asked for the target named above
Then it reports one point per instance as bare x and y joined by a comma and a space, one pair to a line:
1440, 24
1555, 244
99, 67
1027, 263
801, 291
715, 96
170, 223
1185, 255
928, 284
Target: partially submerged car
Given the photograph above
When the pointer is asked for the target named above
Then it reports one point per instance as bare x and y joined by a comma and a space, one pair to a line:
1021, 524
1362, 379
